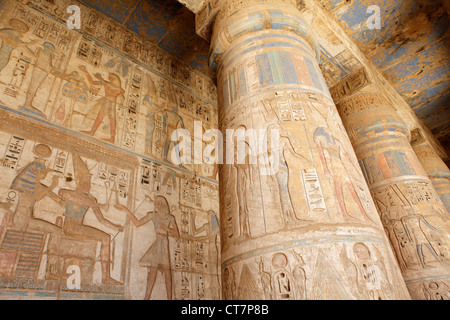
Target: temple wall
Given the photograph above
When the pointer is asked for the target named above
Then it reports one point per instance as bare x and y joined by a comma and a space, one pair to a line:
88, 189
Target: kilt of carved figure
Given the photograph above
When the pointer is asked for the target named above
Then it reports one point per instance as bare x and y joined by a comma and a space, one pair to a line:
414, 217
297, 218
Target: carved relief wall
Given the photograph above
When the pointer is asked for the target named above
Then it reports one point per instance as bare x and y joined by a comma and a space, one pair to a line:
88, 186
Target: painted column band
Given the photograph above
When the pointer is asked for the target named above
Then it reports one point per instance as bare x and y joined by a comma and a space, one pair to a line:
257, 18
284, 62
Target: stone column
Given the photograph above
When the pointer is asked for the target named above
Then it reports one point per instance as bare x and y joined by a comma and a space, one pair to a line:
297, 221
412, 214
435, 168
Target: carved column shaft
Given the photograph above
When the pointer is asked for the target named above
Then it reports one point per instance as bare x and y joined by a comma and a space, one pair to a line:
309, 229
412, 213
436, 170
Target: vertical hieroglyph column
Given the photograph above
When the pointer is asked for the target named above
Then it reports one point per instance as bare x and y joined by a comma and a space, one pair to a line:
297, 218
434, 166
412, 213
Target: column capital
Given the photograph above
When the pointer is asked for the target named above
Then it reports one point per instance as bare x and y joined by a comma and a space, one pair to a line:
359, 103
204, 18
224, 22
